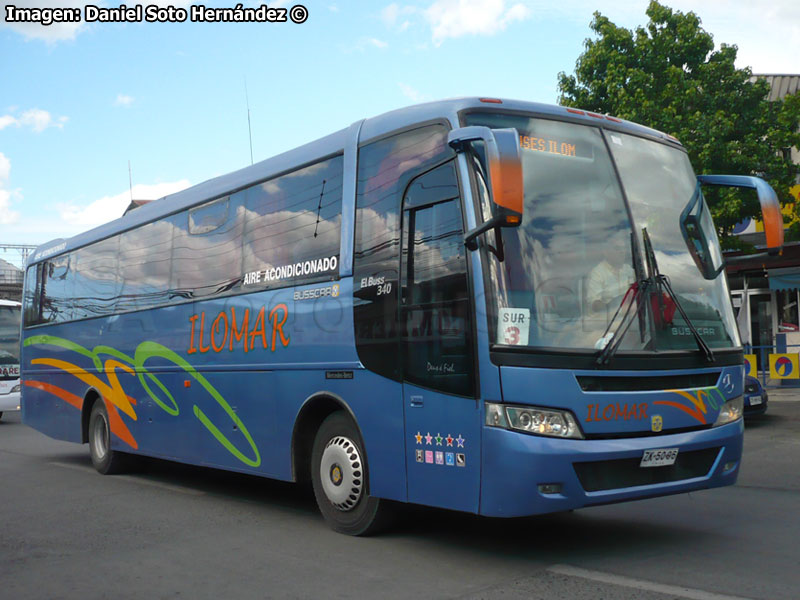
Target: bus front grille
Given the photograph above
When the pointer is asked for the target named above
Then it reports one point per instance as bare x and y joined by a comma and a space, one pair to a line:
614, 474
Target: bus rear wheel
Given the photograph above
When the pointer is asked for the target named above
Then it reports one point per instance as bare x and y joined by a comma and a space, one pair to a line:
104, 459
341, 481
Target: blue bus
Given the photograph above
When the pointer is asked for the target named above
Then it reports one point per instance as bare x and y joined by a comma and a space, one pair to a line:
491, 306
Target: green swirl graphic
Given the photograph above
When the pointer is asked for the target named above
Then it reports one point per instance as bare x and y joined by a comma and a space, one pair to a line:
146, 351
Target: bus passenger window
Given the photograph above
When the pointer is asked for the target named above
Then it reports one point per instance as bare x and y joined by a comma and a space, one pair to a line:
97, 281
213, 230
293, 227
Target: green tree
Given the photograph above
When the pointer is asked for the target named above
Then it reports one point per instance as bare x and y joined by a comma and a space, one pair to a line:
668, 76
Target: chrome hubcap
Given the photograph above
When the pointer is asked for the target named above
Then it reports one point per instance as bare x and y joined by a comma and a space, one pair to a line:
100, 437
341, 473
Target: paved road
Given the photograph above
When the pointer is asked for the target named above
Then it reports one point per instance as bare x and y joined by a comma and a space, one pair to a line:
172, 531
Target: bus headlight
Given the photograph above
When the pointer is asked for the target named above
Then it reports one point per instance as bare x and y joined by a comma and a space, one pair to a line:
531, 419
731, 411
16, 388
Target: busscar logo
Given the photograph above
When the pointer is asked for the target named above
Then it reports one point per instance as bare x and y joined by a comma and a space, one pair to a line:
331, 291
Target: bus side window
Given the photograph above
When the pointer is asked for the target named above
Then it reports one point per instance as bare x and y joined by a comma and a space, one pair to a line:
294, 221
214, 231
145, 254
435, 313
32, 295
97, 284
58, 285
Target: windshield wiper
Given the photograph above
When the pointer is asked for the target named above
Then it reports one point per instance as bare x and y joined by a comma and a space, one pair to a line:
639, 290
636, 291
654, 286
662, 284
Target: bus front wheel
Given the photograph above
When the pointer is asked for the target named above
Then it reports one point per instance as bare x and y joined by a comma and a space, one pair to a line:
104, 459
340, 479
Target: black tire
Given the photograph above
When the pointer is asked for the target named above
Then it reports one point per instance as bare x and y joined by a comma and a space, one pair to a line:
104, 459
340, 479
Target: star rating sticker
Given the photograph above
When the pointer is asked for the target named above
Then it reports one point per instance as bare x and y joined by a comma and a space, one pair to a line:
439, 439
460, 441
429, 439
418, 437
450, 440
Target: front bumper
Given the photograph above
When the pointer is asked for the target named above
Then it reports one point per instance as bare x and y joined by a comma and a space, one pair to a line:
9, 402
515, 465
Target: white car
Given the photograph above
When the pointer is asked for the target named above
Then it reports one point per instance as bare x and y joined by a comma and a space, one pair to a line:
9, 356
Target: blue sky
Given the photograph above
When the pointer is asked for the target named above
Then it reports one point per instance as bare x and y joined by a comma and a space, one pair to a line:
77, 102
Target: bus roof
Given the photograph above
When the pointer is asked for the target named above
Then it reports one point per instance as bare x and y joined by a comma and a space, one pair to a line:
326, 146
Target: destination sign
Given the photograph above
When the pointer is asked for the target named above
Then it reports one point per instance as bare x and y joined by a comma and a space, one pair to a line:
552, 145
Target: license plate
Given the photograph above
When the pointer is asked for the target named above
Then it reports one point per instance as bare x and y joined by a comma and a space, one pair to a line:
662, 457
755, 400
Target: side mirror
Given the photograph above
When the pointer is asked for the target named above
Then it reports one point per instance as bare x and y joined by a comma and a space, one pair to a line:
505, 185
770, 207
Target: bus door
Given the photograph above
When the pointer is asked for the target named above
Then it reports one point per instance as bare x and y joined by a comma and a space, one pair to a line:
441, 413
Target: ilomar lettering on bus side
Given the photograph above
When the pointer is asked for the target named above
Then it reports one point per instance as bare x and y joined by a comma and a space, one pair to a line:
226, 330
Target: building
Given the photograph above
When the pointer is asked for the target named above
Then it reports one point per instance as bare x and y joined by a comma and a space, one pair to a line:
10, 281
766, 293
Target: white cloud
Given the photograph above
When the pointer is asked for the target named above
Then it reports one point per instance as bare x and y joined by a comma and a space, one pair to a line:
56, 32
456, 18
395, 16
7, 216
123, 100
769, 43
410, 93
35, 118
78, 218
398, 18
364, 44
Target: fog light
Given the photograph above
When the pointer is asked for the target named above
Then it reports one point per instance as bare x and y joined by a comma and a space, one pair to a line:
729, 466
549, 488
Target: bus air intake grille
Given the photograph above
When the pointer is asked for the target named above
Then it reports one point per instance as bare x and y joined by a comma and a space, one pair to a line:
594, 383
615, 474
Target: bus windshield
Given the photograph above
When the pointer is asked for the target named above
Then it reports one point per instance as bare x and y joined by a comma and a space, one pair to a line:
577, 261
